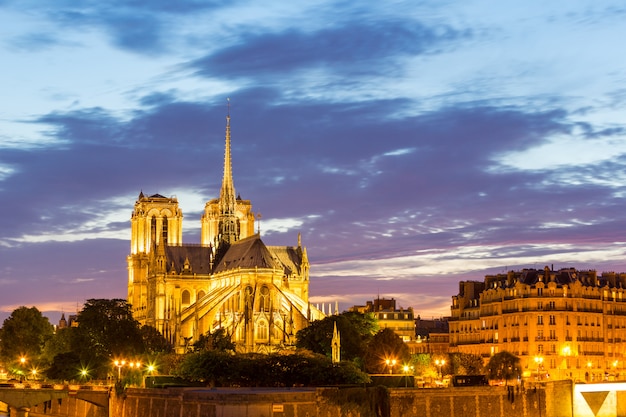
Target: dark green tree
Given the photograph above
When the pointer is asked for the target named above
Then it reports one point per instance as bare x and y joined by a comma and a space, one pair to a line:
466, 364
385, 345
355, 330
154, 342
218, 340
60, 342
504, 366
106, 330
65, 367
24, 334
218, 368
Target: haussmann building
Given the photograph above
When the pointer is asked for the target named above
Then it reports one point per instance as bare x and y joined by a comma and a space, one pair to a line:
561, 323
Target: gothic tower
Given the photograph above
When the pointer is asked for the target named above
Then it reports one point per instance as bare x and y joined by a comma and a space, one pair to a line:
229, 218
155, 220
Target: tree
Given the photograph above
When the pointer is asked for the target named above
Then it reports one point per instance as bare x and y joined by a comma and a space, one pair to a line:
218, 340
504, 366
466, 364
65, 366
24, 334
385, 344
106, 330
355, 330
60, 342
218, 368
154, 342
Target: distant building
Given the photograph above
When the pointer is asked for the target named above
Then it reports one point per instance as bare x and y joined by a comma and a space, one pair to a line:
72, 321
561, 324
431, 336
400, 320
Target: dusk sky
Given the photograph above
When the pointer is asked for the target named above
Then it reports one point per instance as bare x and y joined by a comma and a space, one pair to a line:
412, 144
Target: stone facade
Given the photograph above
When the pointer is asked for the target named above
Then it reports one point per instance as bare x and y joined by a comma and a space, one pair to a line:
561, 324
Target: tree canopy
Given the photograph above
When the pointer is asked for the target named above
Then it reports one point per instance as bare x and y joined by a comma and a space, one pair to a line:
385, 344
218, 340
355, 330
219, 368
466, 364
504, 365
24, 334
108, 328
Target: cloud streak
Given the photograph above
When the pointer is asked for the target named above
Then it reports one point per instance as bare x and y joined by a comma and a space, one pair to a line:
412, 146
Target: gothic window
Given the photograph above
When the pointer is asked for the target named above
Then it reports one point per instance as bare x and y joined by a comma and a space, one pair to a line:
200, 294
153, 229
164, 231
248, 294
261, 330
264, 302
185, 298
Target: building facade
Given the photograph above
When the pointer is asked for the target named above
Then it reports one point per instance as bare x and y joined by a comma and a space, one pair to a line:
561, 324
259, 294
431, 336
400, 320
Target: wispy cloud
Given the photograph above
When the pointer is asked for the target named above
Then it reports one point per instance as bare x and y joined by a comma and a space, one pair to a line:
411, 145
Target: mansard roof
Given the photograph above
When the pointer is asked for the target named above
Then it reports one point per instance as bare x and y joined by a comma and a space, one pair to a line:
198, 258
250, 252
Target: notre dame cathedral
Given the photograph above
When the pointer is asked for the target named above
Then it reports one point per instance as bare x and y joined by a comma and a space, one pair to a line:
259, 294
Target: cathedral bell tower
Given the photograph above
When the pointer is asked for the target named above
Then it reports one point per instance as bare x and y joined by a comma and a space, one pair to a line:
157, 221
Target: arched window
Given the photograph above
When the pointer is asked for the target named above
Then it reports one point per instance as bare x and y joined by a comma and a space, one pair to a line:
185, 298
264, 301
248, 296
153, 229
164, 231
261, 330
200, 294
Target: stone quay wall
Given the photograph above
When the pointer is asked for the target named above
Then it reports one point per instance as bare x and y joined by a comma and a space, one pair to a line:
67, 407
551, 400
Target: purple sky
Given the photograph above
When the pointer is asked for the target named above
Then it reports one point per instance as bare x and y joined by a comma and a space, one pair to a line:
413, 144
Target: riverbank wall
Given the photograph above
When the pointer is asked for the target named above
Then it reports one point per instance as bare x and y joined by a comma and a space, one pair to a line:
550, 400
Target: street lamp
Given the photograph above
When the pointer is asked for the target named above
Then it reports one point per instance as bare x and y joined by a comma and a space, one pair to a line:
440, 363
406, 369
390, 363
22, 363
538, 361
119, 365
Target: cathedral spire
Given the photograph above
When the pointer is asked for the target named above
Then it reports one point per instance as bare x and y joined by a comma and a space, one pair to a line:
228, 219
